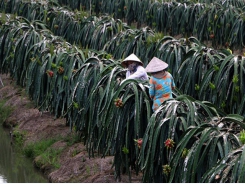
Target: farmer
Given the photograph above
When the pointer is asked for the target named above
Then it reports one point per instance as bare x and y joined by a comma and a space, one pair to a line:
135, 69
161, 82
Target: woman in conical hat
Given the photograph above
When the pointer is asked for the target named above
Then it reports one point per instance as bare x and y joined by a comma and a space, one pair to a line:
135, 69
161, 82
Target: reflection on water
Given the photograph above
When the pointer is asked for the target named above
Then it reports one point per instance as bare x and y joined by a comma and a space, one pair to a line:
14, 167
2, 180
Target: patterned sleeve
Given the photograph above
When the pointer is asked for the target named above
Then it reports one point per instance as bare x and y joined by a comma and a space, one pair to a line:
151, 89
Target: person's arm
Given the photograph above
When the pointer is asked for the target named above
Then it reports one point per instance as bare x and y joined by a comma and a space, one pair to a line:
151, 89
138, 74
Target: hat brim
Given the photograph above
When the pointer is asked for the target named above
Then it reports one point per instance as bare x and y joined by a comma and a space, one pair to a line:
156, 65
131, 57
125, 63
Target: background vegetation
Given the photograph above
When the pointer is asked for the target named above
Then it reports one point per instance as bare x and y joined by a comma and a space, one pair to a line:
67, 57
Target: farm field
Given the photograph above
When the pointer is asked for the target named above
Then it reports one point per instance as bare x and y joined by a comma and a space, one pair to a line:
66, 56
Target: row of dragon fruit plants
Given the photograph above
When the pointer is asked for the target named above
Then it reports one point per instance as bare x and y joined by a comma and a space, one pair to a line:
219, 21
82, 86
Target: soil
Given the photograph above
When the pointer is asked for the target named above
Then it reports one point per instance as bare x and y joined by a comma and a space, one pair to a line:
75, 164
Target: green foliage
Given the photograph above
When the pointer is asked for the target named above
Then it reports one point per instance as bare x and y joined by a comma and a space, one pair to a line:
242, 136
19, 137
125, 150
196, 17
33, 150
84, 94
50, 156
5, 111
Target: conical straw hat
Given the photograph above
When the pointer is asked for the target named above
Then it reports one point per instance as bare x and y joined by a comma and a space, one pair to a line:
131, 57
156, 65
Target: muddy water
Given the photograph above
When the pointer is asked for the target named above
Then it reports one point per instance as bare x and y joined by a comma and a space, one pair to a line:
14, 167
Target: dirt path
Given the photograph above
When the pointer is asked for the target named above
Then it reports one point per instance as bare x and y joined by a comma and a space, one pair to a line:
75, 165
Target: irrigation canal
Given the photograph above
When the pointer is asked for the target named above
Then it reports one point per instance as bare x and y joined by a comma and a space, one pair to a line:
14, 166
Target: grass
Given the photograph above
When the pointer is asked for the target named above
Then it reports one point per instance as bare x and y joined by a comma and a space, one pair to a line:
18, 137
5, 111
46, 154
50, 156
33, 150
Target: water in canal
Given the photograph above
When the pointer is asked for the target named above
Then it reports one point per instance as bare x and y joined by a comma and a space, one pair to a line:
14, 166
